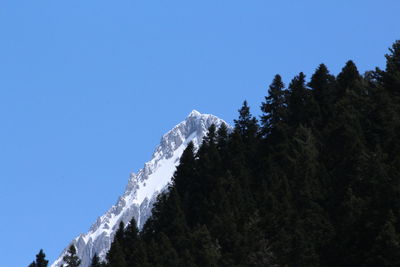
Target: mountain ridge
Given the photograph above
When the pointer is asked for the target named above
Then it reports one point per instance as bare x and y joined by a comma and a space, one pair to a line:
143, 187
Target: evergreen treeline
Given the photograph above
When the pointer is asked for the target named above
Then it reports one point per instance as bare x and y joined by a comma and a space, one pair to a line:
314, 182
70, 259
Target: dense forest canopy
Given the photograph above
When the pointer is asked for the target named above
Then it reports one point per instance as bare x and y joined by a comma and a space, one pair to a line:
314, 182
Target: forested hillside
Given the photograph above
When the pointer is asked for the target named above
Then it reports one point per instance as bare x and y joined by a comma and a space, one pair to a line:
315, 181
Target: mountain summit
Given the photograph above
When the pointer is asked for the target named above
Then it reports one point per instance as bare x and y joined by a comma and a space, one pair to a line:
143, 187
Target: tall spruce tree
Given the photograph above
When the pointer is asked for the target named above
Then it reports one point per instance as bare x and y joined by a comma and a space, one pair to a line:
246, 124
116, 256
347, 79
322, 84
275, 107
134, 251
302, 108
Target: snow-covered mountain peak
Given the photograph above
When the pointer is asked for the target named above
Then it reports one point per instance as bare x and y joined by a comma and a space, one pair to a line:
194, 113
143, 187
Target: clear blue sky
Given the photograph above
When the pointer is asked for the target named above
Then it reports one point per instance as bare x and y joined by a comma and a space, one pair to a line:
87, 88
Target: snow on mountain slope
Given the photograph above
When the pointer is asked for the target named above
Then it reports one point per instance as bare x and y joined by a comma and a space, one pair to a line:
143, 187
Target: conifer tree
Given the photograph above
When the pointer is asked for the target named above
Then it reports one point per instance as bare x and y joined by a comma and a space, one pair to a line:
246, 124
186, 181
297, 99
116, 256
274, 108
71, 259
347, 79
41, 259
222, 137
182, 178
209, 164
131, 235
133, 249
245, 139
302, 108
323, 85
392, 72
